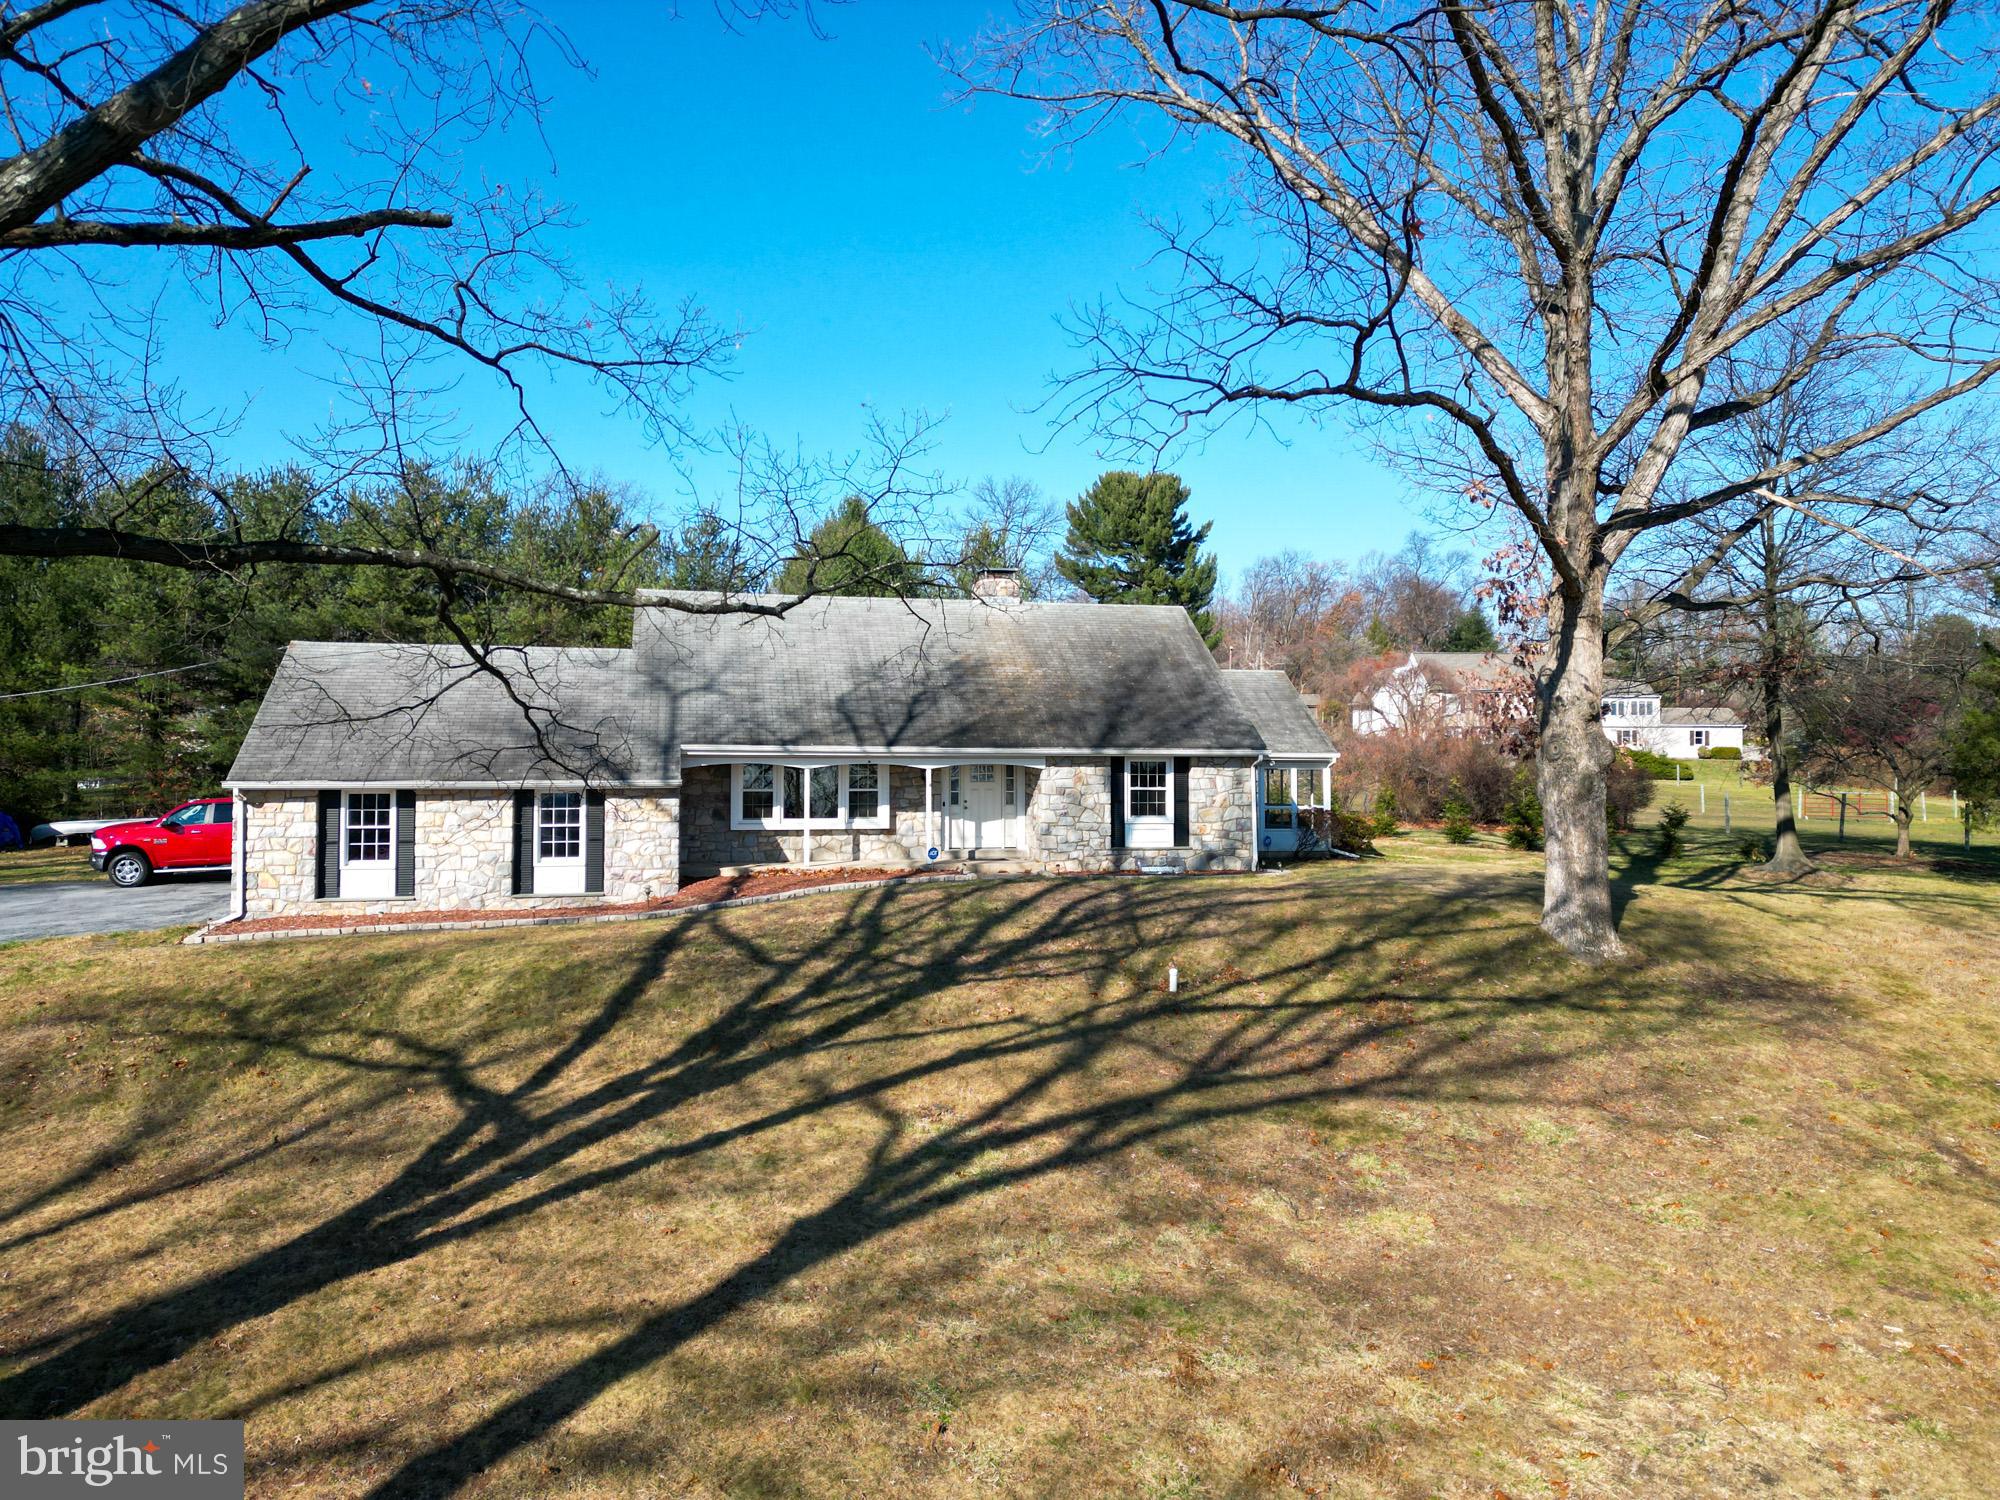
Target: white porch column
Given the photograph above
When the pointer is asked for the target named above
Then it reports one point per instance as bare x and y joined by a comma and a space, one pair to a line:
239, 855
806, 817
930, 813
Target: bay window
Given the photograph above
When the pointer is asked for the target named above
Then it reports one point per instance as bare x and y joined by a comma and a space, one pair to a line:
766, 795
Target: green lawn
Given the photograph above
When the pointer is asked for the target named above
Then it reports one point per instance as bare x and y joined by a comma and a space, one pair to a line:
1749, 811
42, 866
940, 1191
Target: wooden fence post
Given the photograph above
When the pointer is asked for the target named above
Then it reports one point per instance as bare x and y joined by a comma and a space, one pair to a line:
1725, 814
1924, 806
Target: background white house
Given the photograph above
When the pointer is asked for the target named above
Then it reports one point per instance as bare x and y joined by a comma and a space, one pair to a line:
1463, 692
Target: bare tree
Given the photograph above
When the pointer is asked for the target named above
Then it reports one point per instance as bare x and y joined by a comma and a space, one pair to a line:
1294, 613
1541, 227
1767, 576
301, 163
1882, 711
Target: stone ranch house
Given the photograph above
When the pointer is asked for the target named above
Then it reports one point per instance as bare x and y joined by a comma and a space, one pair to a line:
1066, 738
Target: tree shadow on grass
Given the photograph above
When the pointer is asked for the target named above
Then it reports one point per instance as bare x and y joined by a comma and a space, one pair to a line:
1950, 895
841, 1026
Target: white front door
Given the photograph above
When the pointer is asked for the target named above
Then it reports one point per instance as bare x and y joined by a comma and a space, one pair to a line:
981, 816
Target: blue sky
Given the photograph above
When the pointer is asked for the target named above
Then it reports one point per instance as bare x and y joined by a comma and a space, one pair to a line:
881, 247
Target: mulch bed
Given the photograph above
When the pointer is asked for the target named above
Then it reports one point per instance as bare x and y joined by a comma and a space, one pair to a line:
695, 893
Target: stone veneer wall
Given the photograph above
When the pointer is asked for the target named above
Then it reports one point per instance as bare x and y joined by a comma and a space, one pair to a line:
465, 851
1069, 816
709, 843
1222, 820
1069, 819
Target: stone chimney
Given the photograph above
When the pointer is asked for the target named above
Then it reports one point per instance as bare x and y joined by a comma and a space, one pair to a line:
997, 583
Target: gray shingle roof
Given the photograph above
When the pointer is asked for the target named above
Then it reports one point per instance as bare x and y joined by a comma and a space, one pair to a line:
1282, 720
1627, 687
1710, 716
831, 674
980, 674
345, 713
1472, 670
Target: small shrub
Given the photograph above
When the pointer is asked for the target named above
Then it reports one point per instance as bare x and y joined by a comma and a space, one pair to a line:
1385, 812
1337, 828
1523, 812
1628, 787
1457, 815
1655, 765
1419, 770
1673, 819
1751, 850
1720, 752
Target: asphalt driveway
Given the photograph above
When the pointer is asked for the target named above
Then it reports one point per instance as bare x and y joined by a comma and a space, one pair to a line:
64, 910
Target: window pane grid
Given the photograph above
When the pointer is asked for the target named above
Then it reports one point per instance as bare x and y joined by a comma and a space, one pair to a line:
1146, 788
864, 790
368, 830
759, 797
559, 829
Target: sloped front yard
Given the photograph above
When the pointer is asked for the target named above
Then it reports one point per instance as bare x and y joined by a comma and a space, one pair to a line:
937, 1191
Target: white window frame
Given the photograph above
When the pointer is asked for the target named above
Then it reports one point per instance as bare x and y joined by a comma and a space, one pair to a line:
1699, 739
1150, 830
561, 874
367, 879
1281, 794
785, 816
1628, 738
1614, 708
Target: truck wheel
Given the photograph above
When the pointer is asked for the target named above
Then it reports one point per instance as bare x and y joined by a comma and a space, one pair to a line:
128, 867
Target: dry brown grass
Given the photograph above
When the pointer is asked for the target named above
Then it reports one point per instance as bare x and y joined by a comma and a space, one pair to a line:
937, 1192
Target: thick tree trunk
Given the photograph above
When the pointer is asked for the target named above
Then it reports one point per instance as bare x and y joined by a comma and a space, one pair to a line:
1788, 856
1571, 767
1902, 829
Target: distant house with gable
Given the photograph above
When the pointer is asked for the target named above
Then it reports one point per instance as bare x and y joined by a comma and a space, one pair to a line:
1471, 692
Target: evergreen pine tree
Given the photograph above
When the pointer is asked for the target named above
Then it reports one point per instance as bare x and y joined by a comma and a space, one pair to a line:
848, 553
1129, 542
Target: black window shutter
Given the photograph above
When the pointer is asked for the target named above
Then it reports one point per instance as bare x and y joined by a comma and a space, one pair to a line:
524, 843
326, 881
1117, 802
406, 843
593, 843
1180, 801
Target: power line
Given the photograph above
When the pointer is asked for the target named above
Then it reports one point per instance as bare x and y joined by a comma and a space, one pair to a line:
77, 687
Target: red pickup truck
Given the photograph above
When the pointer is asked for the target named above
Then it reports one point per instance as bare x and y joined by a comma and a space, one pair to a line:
197, 835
